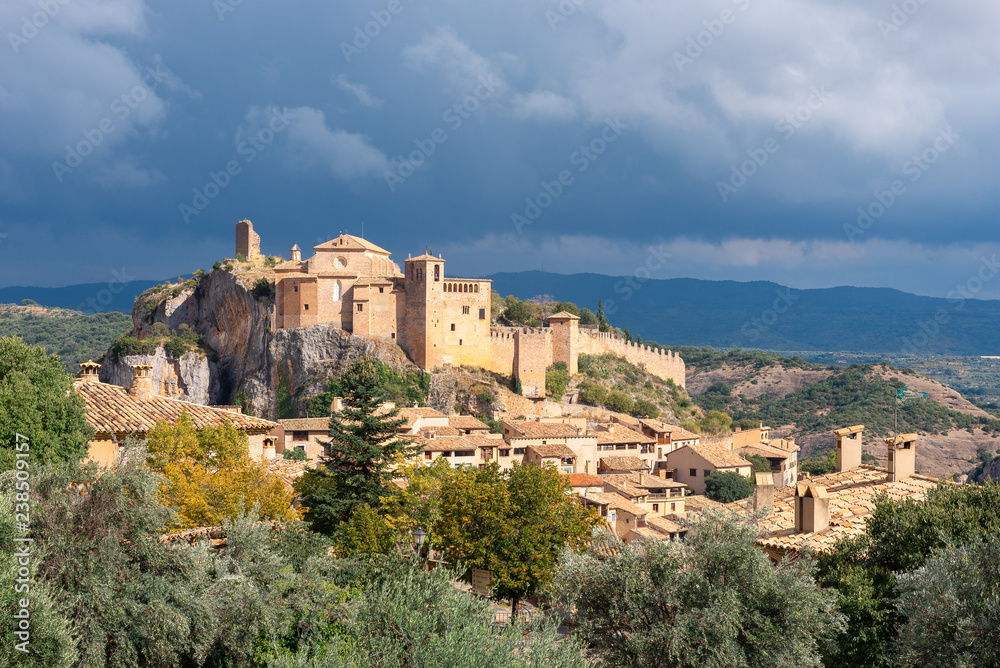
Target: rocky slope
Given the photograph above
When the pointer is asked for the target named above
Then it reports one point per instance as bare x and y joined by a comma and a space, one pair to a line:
244, 361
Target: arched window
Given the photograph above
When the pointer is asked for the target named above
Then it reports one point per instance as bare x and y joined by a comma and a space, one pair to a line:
336, 291
437, 272
477, 287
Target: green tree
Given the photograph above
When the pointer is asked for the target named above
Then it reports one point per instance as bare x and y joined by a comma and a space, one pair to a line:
760, 464
619, 401
820, 464
900, 536
517, 311
646, 408
712, 601
514, 523
364, 449
365, 533
602, 322
587, 317
952, 607
627, 335
727, 486
592, 394
568, 307
37, 400
556, 380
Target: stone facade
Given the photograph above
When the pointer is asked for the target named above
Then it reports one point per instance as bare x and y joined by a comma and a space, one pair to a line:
438, 321
247, 241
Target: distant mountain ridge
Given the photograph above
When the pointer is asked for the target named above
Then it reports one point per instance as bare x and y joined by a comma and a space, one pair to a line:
694, 312
765, 315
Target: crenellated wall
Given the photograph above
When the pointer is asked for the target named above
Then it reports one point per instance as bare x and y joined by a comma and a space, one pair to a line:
666, 365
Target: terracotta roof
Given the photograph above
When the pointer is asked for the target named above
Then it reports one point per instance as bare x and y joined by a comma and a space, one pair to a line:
555, 450
306, 424
466, 422
622, 485
718, 456
110, 410
531, 429
617, 501
663, 525
852, 496
847, 431
584, 480
649, 481
439, 431
353, 243
624, 464
486, 440
620, 436
411, 415
444, 443
784, 444
764, 450
564, 314
699, 502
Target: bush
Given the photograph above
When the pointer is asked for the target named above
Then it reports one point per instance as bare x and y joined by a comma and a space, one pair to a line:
647, 408
240, 257
620, 402
175, 346
29, 302
217, 264
727, 486
760, 464
556, 380
262, 288
130, 345
486, 396
294, 454
271, 261
592, 394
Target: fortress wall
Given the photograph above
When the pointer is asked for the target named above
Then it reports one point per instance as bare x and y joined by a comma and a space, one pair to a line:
502, 346
666, 365
533, 354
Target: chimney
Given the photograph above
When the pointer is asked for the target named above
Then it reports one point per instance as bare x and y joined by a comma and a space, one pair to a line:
902, 456
849, 447
336, 405
641, 478
611, 428
812, 508
88, 371
586, 466
269, 452
141, 388
763, 491
296, 253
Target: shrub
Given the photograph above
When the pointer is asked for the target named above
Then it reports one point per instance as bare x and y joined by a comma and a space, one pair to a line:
556, 380
271, 261
217, 265
295, 454
240, 257
620, 402
647, 408
592, 394
29, 302
486, 396
760, 464
262, 288
130, 345
727, 486
175, 346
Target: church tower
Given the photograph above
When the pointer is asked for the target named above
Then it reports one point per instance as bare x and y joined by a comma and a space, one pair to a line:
424, 333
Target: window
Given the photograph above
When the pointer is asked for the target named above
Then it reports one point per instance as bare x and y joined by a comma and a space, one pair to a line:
360, 307
437, 272
460, 342
476, 288
336, 291
518, 451
707, 473
656, 507
381, 290
296, 288
482, 314
427, 455
632, 446
620, 446
453, 327
567, 461
673, 507
465, 310
504, 453
693, 473
306, 306
300, 436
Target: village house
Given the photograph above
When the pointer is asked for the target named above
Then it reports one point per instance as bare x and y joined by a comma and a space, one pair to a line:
117, 414
621, 464
819, 511
311, 435
519, 434
620, 439
693, 463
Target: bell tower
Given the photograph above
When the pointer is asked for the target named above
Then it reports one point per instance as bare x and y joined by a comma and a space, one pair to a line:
424, 333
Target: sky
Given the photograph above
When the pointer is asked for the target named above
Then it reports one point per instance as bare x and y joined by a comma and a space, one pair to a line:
812, 143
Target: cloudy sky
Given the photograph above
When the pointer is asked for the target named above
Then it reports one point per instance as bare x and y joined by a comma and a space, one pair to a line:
813, 143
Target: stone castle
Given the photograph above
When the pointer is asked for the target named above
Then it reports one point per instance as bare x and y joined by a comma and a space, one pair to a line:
353, 284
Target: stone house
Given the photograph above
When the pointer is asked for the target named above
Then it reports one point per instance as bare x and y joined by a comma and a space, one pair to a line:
693, 463
116, 414
311, 435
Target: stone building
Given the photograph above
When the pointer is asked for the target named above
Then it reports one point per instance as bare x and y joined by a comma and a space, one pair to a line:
437, 320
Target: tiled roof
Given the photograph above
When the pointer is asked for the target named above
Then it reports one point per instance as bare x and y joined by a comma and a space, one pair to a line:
663, 525
624, 464
649, 481
110, 410
306, 424
466, 422
439, 431
584, 480
486, 441
763, 450
619, 436
553, 450
622, 485
847, 431
852, 497
617, 501
443, 443
564, 314
354, 243
699, 502
718, 456
411, 415
531, 429
784, 444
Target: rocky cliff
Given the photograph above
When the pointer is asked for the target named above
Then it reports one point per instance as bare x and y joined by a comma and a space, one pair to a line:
243, 361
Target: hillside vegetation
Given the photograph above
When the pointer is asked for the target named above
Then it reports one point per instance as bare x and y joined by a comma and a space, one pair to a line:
72, 335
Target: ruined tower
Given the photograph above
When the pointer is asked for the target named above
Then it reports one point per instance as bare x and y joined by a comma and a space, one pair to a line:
247, 241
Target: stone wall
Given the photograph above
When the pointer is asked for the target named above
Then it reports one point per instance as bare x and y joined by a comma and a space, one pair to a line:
247, 241
666, 365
